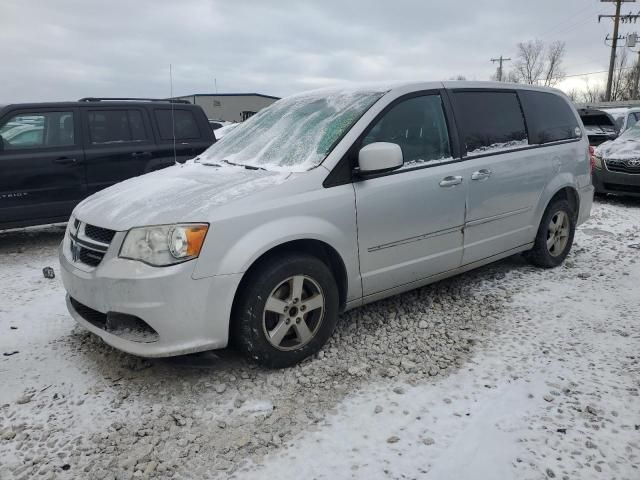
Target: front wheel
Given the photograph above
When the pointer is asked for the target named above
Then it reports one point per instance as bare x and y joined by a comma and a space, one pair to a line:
555, 236
286, 311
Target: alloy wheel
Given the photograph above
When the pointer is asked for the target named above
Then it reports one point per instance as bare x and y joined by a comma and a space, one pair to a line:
558, 233
293, 312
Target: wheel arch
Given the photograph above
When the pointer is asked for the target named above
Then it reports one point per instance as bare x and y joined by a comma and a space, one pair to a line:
570, 194
561, 189
317, 248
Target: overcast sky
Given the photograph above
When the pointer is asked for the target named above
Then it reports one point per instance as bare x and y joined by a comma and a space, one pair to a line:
67, 49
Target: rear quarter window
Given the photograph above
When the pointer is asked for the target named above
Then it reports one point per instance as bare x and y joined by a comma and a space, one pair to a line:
183, 122
549, 117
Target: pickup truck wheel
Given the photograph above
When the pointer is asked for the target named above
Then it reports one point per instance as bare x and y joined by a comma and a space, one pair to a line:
555, 236
287, 310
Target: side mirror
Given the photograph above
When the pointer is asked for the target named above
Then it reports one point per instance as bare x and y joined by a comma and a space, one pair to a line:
380, 157
1, 144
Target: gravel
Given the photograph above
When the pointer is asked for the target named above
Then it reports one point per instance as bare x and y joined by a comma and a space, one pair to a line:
74, 407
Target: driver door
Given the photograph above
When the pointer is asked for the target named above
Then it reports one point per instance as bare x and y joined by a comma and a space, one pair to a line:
41, 166
410, 221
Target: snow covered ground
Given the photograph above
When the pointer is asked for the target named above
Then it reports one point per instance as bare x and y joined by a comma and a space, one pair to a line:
508, 372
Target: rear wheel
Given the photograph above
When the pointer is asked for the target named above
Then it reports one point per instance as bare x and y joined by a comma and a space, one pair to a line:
555, 236
286, 311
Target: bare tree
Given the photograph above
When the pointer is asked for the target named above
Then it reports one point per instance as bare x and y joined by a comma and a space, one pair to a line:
553, 67
620, 77
633, 82
529, 63
512, 77
574, 95
537, 64
592, 92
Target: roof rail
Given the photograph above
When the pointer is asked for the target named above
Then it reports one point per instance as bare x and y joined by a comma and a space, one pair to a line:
125, 99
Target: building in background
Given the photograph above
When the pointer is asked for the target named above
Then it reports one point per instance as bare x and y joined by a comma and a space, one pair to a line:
230, 107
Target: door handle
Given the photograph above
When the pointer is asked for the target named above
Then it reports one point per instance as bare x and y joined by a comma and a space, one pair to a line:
482, 174
451, 181
65, 160
141, 155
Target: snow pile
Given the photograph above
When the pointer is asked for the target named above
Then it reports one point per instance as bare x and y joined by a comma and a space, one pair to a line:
223, 131
499, 147
419, 162
294, 134
625, 147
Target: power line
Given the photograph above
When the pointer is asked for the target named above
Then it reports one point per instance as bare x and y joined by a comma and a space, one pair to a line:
593, 73
570, 23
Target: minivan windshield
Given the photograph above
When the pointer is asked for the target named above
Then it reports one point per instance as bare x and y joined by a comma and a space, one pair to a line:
293, 134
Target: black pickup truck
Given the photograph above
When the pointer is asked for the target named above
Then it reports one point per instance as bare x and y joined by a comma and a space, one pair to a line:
53, 155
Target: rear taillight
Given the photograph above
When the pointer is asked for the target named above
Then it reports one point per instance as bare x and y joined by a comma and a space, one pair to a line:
592, 159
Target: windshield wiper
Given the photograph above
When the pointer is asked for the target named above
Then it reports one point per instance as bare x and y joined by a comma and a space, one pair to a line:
248, 167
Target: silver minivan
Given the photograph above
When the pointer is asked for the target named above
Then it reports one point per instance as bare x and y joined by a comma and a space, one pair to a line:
323, 202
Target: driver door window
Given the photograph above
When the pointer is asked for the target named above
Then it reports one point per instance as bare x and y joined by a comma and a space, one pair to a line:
419, 127
38, 130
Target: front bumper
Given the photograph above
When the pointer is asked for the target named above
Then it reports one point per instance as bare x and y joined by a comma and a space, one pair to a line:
188, 315
618, 183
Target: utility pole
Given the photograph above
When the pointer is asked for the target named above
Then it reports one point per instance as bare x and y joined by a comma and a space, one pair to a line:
500, 60
614, 44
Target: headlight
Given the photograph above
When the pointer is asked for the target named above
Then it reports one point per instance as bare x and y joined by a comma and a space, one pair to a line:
597, 161
164, 245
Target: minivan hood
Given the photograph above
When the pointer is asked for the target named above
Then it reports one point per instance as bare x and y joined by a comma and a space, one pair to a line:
182, 193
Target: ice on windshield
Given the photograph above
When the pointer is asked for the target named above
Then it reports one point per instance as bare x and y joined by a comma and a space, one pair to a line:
295, 133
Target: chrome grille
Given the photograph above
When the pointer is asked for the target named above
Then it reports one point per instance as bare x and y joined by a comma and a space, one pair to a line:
624, 166
89, 243
102, 235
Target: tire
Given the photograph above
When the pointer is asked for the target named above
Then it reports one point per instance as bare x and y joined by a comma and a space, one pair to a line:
301, 292
599, 195
542, 255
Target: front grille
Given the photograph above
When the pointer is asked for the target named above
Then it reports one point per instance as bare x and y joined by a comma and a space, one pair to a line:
614, 187
621, 166
90, 257
99, 234
89, 243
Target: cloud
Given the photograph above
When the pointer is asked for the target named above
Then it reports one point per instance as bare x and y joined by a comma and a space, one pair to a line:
67, 49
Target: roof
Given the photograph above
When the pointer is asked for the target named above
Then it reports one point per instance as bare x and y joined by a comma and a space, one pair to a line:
609, 105
228, 95
104, 103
